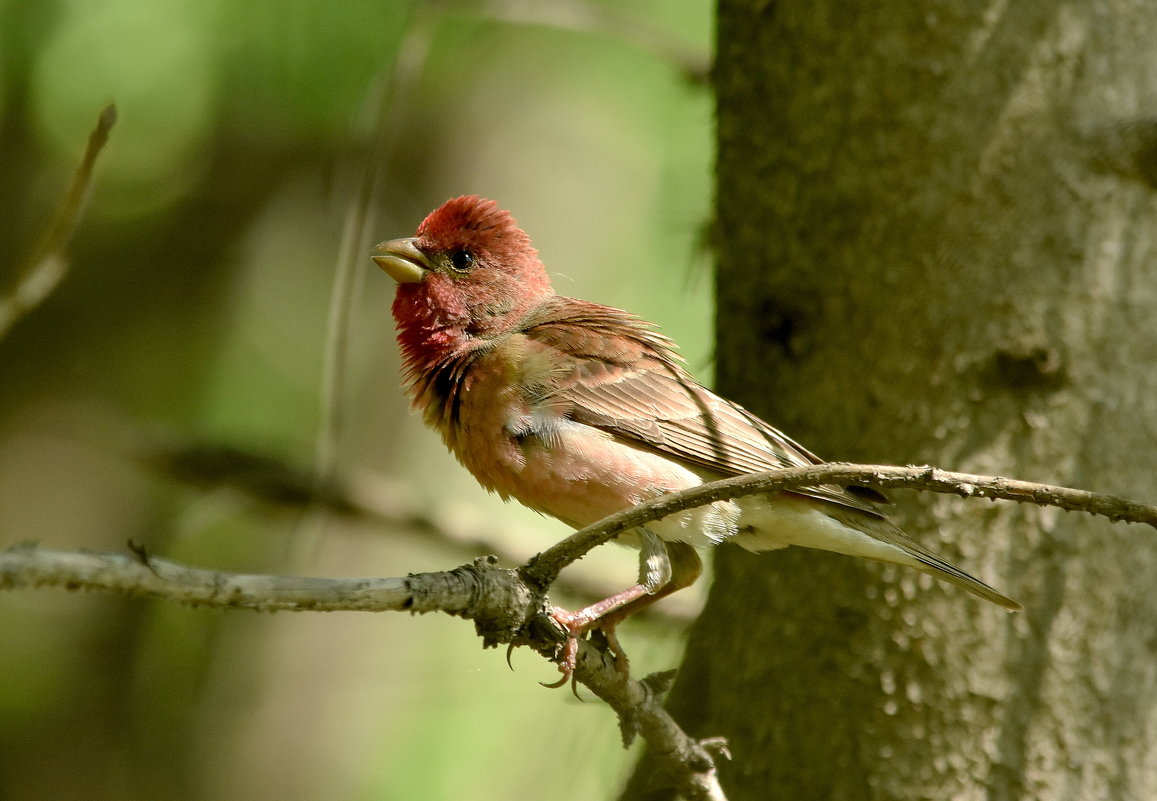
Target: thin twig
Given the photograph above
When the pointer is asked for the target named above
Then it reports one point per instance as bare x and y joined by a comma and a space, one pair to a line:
138, 573
353, 256
48, 265
546, 565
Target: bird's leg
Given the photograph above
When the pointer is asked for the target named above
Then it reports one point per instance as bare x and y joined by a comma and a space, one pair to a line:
683, 565
664, 568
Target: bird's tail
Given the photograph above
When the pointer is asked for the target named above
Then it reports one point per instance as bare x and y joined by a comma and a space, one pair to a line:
788, 519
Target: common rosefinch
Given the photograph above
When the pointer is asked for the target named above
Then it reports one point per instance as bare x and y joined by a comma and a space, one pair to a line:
579, 410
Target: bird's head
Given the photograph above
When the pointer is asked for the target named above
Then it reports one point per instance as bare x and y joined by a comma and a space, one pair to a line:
470, 270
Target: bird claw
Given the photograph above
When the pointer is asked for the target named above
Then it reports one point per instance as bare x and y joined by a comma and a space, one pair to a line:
568, 658
554, 685
577, 625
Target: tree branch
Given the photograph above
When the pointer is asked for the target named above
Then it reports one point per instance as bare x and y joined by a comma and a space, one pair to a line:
505, 610
546, 565
281, 486
48, 265
509, 606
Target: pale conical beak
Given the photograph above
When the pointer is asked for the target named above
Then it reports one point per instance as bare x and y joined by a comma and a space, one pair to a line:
402, 260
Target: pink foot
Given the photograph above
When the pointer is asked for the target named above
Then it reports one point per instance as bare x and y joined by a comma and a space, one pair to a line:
577, 625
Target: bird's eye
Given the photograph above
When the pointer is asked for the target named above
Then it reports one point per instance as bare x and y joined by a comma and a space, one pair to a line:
461, 260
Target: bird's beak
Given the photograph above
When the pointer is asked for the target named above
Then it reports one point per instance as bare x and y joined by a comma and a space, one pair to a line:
402, 260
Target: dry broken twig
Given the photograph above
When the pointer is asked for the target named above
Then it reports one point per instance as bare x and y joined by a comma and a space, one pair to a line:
509, 605
48, 265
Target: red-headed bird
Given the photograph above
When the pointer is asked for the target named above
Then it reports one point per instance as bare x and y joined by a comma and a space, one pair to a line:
579, 410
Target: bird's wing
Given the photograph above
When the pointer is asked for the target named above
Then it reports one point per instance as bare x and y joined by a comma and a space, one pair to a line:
611, 370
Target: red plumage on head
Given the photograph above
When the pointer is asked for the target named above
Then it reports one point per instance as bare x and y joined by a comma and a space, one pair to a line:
444, 319
477, 224
451, 310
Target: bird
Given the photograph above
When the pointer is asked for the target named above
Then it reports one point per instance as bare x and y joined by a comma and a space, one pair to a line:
578, 410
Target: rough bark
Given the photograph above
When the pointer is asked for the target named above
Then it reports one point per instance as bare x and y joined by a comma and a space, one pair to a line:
937, 243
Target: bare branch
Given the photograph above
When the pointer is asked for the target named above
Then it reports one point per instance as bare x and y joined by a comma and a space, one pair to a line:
351, 269
141, 574
370, 498
685, 763
510, 606
504, 610
49, 264
544, 567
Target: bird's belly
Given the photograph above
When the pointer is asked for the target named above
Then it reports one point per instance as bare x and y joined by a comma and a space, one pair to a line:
580, 474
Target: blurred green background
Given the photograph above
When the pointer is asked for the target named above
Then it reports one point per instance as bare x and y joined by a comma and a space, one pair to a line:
196, 315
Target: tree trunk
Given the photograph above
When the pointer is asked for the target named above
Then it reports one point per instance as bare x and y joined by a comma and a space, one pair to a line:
937, 243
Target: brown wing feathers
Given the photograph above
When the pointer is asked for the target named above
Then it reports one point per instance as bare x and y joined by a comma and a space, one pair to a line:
633, 385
